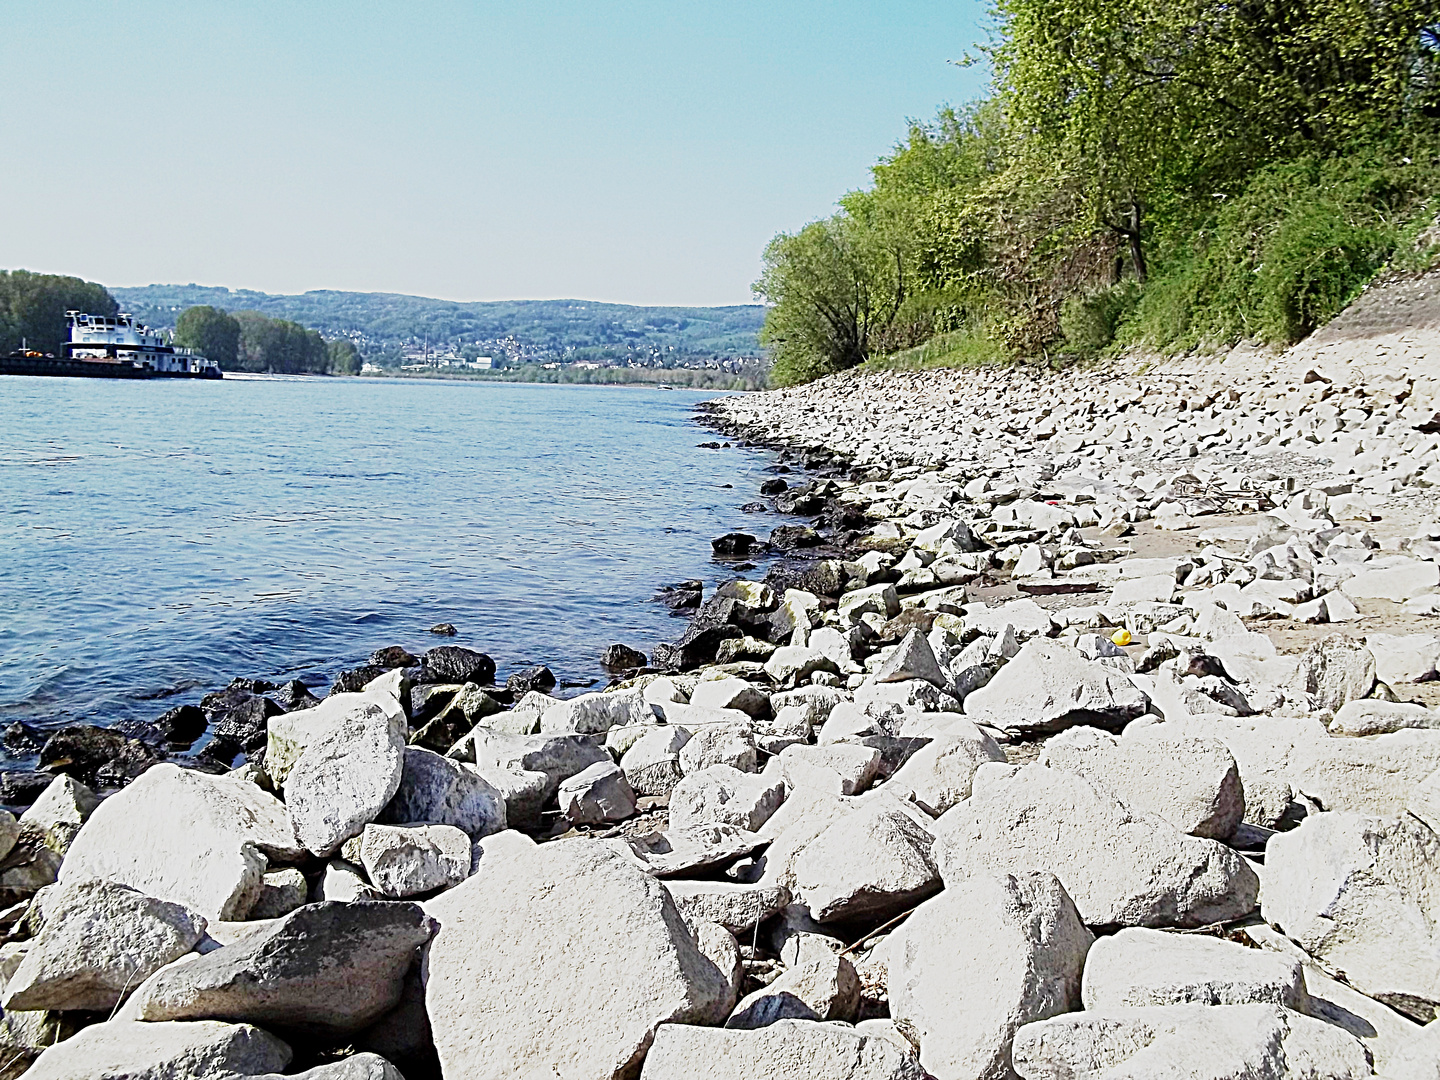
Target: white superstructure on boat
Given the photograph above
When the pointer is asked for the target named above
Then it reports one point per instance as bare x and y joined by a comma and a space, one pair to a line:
119, 339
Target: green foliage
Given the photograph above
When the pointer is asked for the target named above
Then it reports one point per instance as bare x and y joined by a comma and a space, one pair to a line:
1144, 171
342, 358
1298, 243
968, 347
831, 286
33, 306
211, 332
279, 346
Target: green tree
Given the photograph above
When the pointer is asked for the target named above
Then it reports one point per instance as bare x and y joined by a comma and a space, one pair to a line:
33, 306
831, 287
342, 358
210, 331
279, 346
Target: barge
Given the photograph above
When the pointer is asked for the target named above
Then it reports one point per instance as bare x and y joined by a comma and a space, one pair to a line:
113, 347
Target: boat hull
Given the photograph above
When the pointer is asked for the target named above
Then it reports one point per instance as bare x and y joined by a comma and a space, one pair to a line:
92, 369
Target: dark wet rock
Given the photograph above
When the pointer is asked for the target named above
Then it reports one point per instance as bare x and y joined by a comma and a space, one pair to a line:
96, 756
444, 629
773, 487
237, 693
844, 517
539, 678
735, 543
823, 578
21, 787
712, 445
753, 508
452, 664
910, 619
696, 646
353, 680
20, 739
181, 725
466, 707
294, 696
800, 501
790, 537
246, 724
682, 595
393, 656
428, 700
149, 734
622, 657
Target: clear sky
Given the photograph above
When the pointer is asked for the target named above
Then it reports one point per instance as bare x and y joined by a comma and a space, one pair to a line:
629, 152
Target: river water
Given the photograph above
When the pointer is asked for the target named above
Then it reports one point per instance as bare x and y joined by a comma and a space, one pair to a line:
158, 538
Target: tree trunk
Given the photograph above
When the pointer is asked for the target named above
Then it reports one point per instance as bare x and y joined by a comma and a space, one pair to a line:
1137, 251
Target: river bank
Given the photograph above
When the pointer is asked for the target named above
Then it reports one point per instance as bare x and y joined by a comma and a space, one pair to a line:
1075, 725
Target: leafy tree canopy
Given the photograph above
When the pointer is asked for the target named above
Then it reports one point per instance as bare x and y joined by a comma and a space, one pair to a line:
33, 306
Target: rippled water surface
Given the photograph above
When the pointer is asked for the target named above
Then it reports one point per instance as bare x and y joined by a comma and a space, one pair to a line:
158, 538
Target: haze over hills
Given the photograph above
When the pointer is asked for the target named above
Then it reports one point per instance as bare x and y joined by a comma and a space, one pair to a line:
528, 330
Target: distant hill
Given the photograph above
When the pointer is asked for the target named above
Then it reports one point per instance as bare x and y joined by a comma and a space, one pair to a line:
523, 329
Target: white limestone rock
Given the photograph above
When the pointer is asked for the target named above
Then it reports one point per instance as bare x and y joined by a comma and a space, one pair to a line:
555, 755
187, 837
731, 693
845, 768
589, 922
1403, 658
652, 763
98, 941
938, 775
1122, 867
1138, 967
288, 734
1192, 783
722, 795
591, 714
1194, 1042
323, 971
597, 794
1371, 775
999, 951
1333, 671
871, 863
407, 860
738, 908
440, 791
124, 1050
344, 779
1049, 686
785, 1050
1362, 894
1373, 717
911, 659
66, 801
718, 742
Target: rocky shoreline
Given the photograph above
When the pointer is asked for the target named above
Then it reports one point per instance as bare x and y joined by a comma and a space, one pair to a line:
1035, 754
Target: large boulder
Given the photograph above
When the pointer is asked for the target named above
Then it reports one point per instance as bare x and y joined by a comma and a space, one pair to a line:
452, 664
325, 970
1192, 783
1333, 671
572, 915
722, 795
344, 779
1049, 686
597, 794
1139, 967
591, 714
1120, 866
1360, 894
871, 863
288, 735
124, 1050
1373, 775
911, 659
407, 860
785, 1050
98, 941
187, 837
998, 951
1193, 1042
652, 763
354, 1067
938, 775
556, 755
440, 791
738, 908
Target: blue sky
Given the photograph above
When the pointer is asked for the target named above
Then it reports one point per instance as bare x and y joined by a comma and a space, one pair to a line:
629, 152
